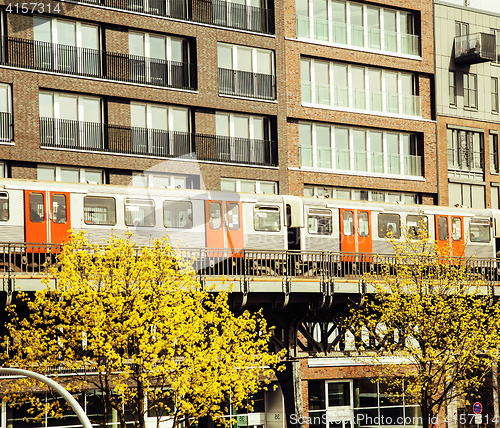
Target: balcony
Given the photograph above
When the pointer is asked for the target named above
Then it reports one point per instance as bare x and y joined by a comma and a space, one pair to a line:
354, 35
6, 129
475, 48
360, 161
107, 138
212, 12
247, 84
101, 64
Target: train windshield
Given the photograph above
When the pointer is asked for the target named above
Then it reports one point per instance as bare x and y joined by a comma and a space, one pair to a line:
319, 222
479, 230
267, 219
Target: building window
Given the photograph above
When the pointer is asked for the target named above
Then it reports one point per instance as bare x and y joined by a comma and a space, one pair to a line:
461, 29
494, 168
170, 181
453, 88
467, 195
66, 46
243, 139
249, 186
465, 152
160, 130
70, 121
497, 43
494, 94
3, 170
246, 72
363, 150
159, 60
377, 400
360, 195
352, 87
470, 90
69, 174
494, 198
355, 24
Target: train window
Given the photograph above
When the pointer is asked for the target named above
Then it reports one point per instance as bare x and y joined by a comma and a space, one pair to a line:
37, 208
140, 212
59, 208
178, 214
347, 218
389, 224
479, 230
443, 228
456, 228
267, 219
319, 222
363, 224
4, 206
233, 216
215, 215
99, 210
417, 226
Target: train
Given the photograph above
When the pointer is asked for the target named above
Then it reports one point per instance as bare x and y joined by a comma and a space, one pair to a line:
43, 212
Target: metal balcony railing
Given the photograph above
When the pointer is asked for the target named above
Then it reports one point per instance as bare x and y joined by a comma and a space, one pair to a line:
213, 12
97, 63
475, 48
107, 138
236, 150
6, 127
247, 84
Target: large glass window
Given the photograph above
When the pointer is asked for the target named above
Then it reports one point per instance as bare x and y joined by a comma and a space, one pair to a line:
360, 195
246, 71
159, 60
389, 225
69, 174
4, 206
470, 90
66, 46
70, 120
466, 151
357, 149
139, 212
249, 186
160, 130
242, 138
99, 210
178, 214
319, 222
355, 24
417, 226
267, 219
326, 83
479, 230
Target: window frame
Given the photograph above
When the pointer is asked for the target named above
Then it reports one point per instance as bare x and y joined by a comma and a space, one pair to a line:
494, 94
266, 209
323, 213
381, 226
4, 196
189, 221
127, 203
87, 222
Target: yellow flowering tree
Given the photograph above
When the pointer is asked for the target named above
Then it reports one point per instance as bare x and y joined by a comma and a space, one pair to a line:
432, 315
136, 326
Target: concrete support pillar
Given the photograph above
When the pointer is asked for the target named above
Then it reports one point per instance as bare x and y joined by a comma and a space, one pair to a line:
291, 384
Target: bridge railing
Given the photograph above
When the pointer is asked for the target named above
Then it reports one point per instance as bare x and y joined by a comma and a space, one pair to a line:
36, 259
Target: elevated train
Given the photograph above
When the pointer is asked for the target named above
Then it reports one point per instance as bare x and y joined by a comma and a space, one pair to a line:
43, 212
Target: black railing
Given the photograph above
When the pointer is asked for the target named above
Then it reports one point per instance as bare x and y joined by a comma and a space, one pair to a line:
247, 84
236, 150
103, 137
97, 63
213, 12
6, 129
31, 258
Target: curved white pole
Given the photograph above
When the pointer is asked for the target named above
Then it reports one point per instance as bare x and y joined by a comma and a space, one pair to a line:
65, 394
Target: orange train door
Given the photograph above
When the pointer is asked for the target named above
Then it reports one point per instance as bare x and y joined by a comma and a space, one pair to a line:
59, 217
224, 228
35, 215
355, 231
442, 234
457, 236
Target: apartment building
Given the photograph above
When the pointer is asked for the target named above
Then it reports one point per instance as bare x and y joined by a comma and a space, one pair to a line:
467, 75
